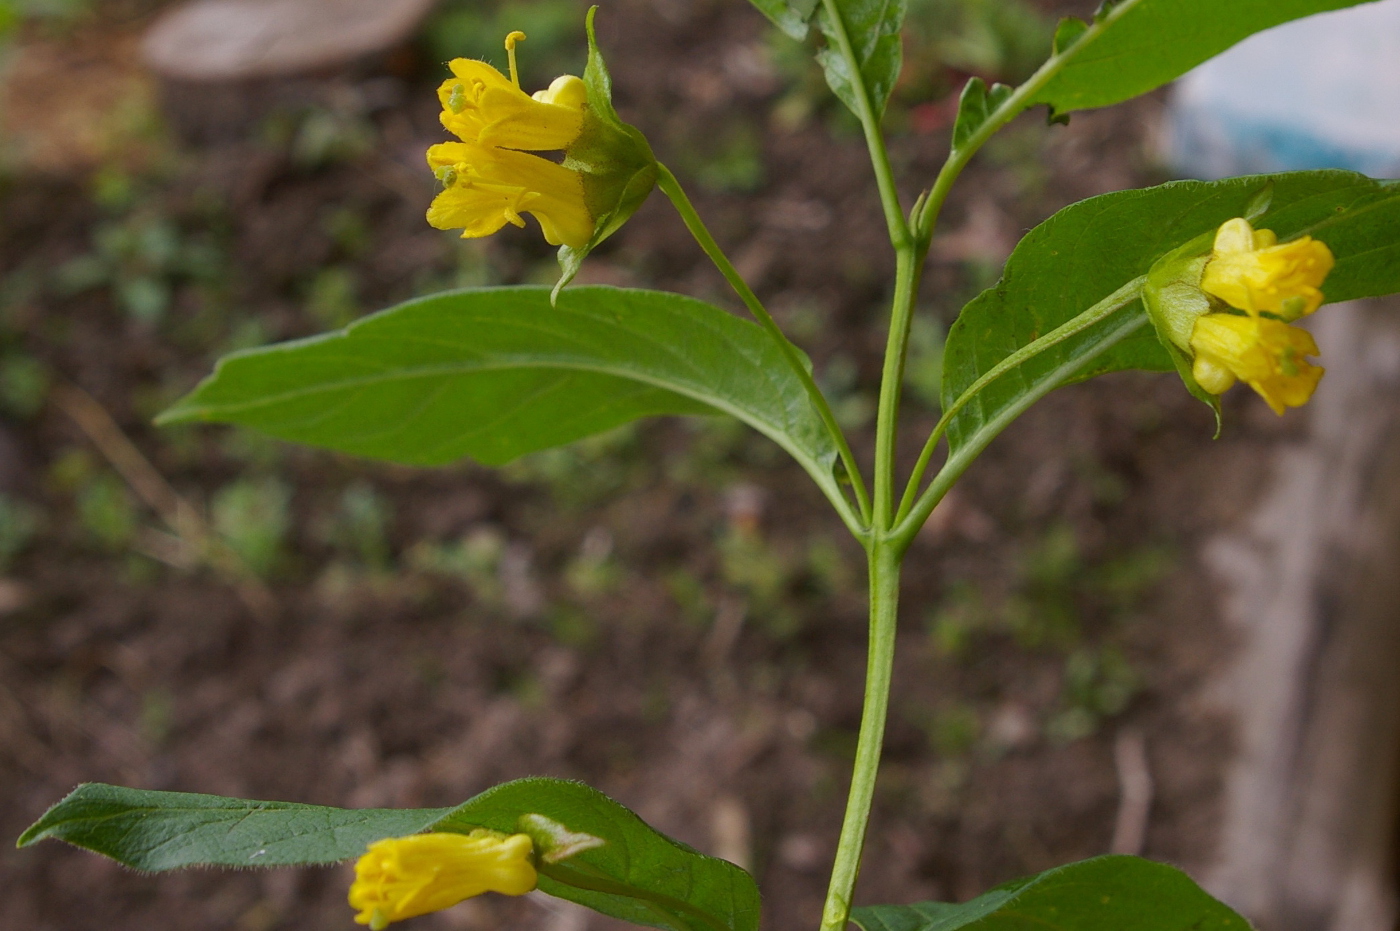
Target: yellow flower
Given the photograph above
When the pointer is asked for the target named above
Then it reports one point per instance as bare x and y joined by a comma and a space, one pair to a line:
402, 877
1267, 354
481, 105
485, 188
1250, 270
487, 181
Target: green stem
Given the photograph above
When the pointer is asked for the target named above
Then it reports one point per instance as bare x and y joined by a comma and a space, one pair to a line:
903, 532
870, 124
884, 556
1078, 324
884, 605
672, 189
926, 215
906, 284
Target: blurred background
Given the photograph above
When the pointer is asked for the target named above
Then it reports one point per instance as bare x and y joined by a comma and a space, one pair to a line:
1117, 633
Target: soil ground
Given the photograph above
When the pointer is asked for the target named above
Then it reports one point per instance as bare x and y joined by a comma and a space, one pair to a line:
666, 612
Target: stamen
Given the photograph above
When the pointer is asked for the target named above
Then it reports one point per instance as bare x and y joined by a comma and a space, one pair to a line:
457, 99
511, 39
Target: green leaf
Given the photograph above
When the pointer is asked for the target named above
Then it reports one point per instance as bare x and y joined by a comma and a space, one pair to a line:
1137, 45
168, 830
1067, 32
791, 18
872, 26
592, 850
671, 885
975, 106
1089, 250
1103, 894
496, 373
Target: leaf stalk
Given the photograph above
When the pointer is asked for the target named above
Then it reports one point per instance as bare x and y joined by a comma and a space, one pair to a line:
858, 525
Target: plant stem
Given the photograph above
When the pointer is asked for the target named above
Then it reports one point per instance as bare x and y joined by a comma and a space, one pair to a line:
884, 565
927, 212
672, 189
884, 554
903, 533
870, 123
906, 284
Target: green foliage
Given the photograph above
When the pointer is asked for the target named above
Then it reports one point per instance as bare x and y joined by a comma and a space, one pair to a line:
253, 516
168, 830
361, 525
141, 258
790, 16
54, 14
496, 373
873, 29
1098, 684
731, 161
634, 873
24, 384
1102, 894
638, 875
106, 512
1134, 46
954, 729
19, 521
474, 559
923, 370
975, 107
1088, 250
331, 297
1004, 39
1043, 612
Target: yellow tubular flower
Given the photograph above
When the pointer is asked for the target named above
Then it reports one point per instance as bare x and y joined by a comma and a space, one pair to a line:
1250, 270
481, 105
1267, 354
485, 188
402, 877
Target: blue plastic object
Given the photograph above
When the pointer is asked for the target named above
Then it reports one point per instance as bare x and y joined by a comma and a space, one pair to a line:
1321, 92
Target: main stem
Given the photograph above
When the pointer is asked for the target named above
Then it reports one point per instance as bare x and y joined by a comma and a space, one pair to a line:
885, 554
884, 564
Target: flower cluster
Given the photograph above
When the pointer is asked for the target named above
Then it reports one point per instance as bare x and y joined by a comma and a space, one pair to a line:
490, 178
402, 877
1273, 284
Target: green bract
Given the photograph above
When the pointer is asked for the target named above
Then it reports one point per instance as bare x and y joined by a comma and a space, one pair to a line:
618, 168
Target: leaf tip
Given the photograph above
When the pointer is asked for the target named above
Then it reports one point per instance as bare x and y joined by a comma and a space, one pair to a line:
177, 413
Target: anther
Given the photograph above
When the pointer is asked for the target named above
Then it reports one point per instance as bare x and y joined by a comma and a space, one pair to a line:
511, 39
